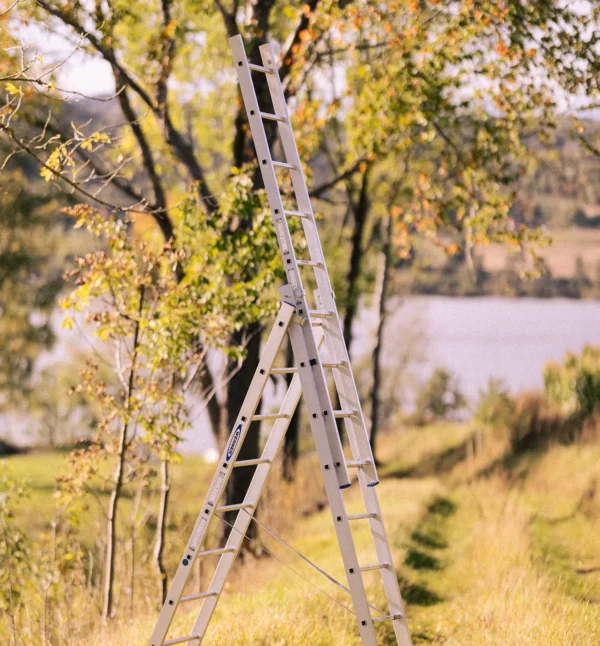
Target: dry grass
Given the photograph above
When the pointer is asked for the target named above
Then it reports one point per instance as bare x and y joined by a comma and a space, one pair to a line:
487, 553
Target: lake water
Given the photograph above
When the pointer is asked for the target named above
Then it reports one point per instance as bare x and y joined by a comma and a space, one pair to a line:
479, 338
474, 338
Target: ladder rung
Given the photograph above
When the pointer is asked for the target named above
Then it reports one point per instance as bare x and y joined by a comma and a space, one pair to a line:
320, 314
200, 595
309, 263
361, 516
258, 418
251, 463
182, 640
272, 117
357, 464
221, 550
283, 371
344, 413
334, 364
297, 214
285, 165
235, 507
387, 618
260, 68
379, 566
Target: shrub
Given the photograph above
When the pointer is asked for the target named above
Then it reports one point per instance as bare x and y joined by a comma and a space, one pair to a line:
495, 407
440, 399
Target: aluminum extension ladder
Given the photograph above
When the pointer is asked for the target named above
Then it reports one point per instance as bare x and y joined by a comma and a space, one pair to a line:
308, 329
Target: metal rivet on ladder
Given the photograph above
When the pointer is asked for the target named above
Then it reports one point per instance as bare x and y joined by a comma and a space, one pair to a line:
364, 623
171, 602
313, 362
251, 111
314, 415
243, 419
339, 519
240, 63
276, 211
224, 465
302, 364
327, 466
351, 570
185, 561
337, 464
324, 412
262, 371
280, 323
264, 161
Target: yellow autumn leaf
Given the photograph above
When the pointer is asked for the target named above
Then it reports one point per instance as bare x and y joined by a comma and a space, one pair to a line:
12, 89
67, 323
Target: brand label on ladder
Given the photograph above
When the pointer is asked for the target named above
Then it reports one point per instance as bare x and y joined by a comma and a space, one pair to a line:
214, 492
197, 535
233, 442
291, 274
283, 245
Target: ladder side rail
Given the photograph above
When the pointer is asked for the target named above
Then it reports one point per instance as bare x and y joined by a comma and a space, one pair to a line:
344, 379
221, 477
384, 555
236, 537
284, 240
334, 494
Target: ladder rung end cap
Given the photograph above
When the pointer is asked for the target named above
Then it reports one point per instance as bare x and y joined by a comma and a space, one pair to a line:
345, 486
373, 484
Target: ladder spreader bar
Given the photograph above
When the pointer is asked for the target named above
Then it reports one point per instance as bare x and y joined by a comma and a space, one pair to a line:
260, 68
251, 463
284, 371
200, 595
272, 117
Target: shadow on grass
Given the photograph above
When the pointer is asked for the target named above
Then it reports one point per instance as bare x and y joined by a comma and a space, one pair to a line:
416, 594
442, 507
418, 560
431, 539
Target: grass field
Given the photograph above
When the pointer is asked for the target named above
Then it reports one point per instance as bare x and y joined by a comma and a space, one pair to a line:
487, 550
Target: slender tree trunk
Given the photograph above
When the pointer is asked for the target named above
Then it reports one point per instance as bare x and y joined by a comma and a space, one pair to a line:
386, 262
161, 526
111, 527
291, 439
115, 496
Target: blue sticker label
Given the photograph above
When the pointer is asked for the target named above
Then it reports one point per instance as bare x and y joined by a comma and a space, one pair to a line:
233, 442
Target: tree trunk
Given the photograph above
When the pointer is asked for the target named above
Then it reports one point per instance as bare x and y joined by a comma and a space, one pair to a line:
115, 496
360, 211
236, 391
291, 439
161, 525
111, 527
386, 262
